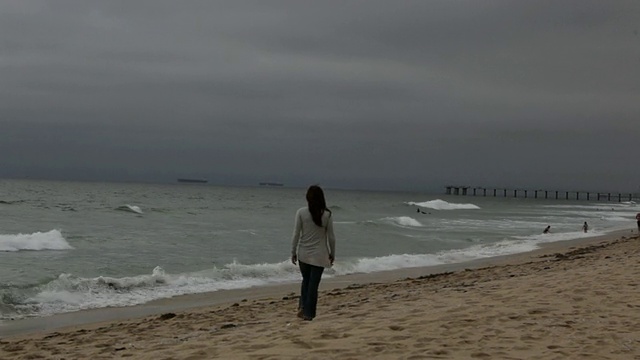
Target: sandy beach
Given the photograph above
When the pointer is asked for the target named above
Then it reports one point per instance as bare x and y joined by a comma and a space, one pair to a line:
567, 301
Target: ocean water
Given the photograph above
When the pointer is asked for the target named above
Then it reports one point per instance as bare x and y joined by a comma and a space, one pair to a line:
68, 246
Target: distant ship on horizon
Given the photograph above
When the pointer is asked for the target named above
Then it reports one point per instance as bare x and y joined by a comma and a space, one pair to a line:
198, 181
271, 184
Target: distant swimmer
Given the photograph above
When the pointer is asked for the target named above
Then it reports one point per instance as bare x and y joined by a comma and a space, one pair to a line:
547, 229
585, 227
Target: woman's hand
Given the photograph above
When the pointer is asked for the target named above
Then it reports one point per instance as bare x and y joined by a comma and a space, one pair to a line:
294, 259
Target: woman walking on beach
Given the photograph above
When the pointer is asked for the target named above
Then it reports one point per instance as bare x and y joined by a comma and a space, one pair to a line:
313, 248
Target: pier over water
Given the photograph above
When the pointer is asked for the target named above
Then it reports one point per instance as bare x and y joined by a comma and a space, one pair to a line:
541, 194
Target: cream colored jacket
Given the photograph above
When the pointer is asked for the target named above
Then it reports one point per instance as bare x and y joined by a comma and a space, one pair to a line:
313, 244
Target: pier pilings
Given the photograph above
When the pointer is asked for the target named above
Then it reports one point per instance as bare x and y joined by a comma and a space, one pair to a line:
537, 193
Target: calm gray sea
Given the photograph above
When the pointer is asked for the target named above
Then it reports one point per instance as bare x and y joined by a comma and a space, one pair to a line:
67, 246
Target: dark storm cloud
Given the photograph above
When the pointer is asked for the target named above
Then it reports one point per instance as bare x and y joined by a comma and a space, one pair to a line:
366, 94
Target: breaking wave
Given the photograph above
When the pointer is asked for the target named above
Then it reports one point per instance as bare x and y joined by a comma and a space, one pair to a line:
444, 205
50, 240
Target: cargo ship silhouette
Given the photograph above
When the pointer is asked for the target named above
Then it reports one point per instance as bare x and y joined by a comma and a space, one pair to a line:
198, 181
271, 184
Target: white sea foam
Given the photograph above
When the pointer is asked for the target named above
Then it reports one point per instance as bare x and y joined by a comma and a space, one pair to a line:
402, 221
514, 245
50, 240
444, 205
506, 247
617, 218
71, 293
130, 208
537, 239
390, 262
393, 262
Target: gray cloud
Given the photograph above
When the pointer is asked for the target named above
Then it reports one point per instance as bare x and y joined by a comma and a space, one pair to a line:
366, 94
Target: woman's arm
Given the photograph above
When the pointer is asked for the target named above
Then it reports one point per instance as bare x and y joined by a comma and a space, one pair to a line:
331, 239
297, 229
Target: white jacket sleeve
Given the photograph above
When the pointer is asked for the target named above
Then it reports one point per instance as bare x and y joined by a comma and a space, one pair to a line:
297, 229
331, 238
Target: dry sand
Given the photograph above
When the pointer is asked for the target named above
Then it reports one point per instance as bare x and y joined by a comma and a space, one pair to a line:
579, 303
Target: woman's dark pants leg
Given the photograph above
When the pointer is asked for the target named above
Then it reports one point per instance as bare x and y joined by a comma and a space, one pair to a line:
311, 276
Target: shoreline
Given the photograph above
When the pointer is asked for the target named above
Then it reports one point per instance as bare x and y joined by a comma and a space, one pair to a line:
90, 317
573, 300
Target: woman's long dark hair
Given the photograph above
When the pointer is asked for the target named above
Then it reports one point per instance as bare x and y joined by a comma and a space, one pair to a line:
317, 204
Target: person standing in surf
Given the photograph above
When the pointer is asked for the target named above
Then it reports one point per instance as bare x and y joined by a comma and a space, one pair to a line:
585, 227
313, 248
638, 218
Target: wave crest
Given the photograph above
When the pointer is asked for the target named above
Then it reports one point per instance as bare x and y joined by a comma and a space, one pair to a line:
402, 221
50, 240
444, 205
130, 208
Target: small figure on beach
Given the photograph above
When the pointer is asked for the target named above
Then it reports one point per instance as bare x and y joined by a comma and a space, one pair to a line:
313, 248
585, 227
547, 229
638, 218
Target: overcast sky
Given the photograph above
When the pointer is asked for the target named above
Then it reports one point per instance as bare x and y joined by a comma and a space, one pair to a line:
369, 94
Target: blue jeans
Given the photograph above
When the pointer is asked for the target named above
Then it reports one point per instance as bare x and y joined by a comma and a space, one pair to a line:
311, 276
